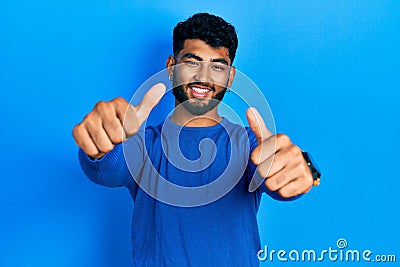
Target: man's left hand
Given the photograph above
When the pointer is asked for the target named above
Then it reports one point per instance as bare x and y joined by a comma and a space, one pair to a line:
278, 160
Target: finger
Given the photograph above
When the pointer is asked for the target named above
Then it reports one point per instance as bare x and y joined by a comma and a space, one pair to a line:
126, 114
114, 129
99, 136
265, 167
131, 124
257, 125
265, 151
149, 101
268, 168
281, 178
84, 141
294, 188
264, 160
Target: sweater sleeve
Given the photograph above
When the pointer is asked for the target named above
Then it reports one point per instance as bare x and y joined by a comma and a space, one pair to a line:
110, 170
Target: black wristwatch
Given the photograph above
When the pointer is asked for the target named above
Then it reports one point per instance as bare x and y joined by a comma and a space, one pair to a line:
316, 173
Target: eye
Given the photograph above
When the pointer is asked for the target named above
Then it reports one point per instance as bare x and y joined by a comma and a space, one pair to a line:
218, 67
192, 63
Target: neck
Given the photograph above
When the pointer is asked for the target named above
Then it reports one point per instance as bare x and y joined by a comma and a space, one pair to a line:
184, 118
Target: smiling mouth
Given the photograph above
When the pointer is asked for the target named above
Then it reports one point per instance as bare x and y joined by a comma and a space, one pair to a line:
199, 91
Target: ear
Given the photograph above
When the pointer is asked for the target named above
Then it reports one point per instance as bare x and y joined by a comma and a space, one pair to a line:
232, 74
170, 66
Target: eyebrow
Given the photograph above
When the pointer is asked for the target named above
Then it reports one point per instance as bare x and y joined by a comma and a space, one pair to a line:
191, 55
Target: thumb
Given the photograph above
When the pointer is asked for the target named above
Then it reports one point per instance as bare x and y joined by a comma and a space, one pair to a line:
257, 125
149, 101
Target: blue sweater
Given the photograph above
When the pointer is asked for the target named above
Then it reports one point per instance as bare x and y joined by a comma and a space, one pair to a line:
204, 230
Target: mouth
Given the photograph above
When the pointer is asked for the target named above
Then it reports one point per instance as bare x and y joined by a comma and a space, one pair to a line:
199, 91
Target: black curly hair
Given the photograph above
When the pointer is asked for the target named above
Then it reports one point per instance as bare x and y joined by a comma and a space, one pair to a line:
213, 30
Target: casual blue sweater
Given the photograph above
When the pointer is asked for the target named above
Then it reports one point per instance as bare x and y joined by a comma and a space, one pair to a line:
223, 232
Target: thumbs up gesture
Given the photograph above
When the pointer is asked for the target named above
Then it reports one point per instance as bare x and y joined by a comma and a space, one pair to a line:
278, 160
104, 126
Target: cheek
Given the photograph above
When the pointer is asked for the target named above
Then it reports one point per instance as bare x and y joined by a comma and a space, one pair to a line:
218, 89
183, 77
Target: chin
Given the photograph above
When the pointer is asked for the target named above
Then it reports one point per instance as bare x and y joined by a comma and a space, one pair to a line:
196, 106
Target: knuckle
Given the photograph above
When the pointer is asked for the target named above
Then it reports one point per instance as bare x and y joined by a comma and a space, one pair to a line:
92, 153
89, 148
283, 138
133, 129
303, 168
272, 184
94, 130
117, 137
76, 131
114, 126
296, 150
92, 124
77, 134
255, 156
294, 154
120, 99
275, 159
263, 171
282, 180
107, 148
104, 145
286, 192
89, 118
119, 102
308, 188
309, 182
100, 105
305, 185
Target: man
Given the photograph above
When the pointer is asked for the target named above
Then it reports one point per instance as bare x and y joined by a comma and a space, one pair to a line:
204, 231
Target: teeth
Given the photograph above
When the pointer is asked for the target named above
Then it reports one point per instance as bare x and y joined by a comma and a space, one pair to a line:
200, 90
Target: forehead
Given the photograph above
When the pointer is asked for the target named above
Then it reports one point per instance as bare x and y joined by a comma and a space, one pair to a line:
203, 50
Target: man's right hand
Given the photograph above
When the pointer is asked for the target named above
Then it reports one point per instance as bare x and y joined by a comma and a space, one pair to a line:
110, 123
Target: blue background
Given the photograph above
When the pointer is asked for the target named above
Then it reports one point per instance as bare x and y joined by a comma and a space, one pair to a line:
329, 69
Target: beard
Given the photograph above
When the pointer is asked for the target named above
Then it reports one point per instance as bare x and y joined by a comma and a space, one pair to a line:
197, 106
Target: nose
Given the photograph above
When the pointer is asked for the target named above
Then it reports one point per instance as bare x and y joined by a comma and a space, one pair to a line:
203, 73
